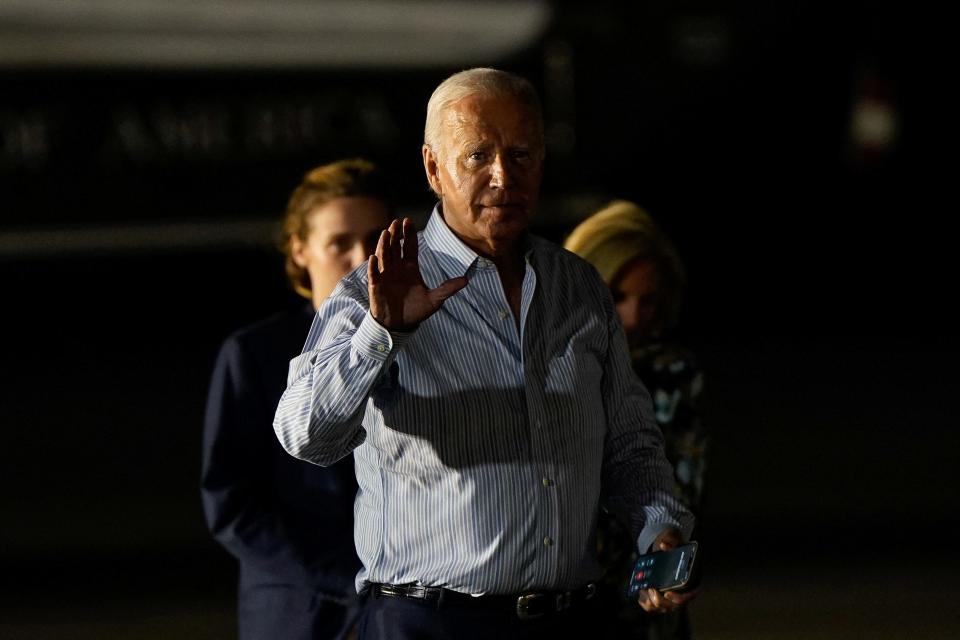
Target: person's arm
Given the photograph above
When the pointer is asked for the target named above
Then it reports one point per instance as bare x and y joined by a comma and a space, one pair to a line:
349, 348
319, 416
637, 478
240, 510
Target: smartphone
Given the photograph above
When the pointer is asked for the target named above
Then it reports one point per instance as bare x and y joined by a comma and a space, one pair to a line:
669, 570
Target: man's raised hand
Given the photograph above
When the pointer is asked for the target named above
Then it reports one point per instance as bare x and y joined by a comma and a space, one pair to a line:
399, 299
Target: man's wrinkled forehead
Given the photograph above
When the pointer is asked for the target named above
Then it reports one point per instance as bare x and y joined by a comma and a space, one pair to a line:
481, 115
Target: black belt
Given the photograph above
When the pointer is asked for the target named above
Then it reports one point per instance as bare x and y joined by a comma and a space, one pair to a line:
526, 605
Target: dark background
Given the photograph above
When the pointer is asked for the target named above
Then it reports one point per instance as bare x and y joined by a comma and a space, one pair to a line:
138, 206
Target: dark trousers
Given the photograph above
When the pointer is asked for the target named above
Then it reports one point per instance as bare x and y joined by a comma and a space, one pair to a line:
387, 618
293, 613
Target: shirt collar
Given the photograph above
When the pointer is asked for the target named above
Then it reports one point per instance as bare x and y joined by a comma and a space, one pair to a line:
457, 258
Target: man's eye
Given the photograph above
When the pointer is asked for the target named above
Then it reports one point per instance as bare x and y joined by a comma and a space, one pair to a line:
342, 244
520, 154
476, 156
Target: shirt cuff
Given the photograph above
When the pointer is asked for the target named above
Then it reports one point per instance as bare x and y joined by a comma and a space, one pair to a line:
376, 341
650, 532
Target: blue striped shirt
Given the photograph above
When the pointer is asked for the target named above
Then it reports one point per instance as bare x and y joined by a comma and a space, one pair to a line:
482, 452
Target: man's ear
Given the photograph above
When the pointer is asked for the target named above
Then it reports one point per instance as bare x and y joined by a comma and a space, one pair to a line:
431, 166
298, 251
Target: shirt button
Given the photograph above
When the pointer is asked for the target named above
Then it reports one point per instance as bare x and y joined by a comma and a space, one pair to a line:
547, 540
503, 315
381, 348
546, 482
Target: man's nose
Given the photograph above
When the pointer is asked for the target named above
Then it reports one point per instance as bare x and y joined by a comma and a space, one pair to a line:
500, 176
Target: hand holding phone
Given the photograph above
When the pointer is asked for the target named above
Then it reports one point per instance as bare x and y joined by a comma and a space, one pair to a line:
668, 570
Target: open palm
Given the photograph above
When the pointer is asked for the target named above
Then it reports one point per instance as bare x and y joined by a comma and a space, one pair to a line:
399, 299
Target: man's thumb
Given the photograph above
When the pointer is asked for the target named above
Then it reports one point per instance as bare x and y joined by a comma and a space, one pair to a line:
447, 289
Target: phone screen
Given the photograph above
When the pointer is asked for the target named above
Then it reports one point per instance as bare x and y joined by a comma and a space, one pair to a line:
663, 570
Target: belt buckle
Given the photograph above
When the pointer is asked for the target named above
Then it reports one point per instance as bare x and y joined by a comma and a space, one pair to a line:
525, 604
390, 591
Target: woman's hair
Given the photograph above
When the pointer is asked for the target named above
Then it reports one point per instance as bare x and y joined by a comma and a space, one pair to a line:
622, 233
353, 178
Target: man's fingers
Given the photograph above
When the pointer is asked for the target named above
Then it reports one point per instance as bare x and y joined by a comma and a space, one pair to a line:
652, 601
669, 539
655, 599
679, 599
411, 248
395, 237
373, 271
383, 250
446, 289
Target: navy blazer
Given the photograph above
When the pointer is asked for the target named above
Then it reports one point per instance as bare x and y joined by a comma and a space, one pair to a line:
288, 522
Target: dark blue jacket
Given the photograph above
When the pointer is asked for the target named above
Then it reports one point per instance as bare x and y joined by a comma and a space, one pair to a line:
288, 522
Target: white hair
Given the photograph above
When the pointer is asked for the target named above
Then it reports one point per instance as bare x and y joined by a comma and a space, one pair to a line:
483, 81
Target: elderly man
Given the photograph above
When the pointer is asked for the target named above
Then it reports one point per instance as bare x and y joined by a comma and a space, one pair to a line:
481, 377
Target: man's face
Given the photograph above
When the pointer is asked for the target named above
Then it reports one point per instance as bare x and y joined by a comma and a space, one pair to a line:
487, 170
